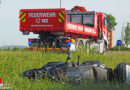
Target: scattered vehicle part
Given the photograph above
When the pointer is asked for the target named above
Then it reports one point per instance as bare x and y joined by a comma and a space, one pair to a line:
72, 72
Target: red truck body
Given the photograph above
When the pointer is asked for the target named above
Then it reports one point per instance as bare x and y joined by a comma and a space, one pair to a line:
78, 23
40, 20
55, 20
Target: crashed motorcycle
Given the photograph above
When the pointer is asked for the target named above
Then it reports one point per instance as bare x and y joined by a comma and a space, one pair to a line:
72, 72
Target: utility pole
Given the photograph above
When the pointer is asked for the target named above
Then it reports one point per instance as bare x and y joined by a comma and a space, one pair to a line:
60, 3
0, 2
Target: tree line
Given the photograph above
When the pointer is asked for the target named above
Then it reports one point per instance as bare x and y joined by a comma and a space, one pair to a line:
127, 34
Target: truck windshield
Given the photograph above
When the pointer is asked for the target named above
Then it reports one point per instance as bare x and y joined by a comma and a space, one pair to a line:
86, 19
76, 19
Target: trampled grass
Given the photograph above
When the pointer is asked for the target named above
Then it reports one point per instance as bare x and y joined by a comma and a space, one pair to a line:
14, 63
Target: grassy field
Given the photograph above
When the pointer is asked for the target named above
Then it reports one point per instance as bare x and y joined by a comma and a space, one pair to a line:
14, 63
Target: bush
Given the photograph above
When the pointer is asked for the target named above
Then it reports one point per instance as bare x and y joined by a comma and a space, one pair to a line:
120, 48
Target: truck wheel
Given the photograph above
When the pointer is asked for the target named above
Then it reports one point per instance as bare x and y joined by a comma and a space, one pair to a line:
53, 44
44, 45
87, 47
80, 45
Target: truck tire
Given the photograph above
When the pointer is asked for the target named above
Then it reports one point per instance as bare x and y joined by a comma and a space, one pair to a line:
54, 44
80, 45
87, 46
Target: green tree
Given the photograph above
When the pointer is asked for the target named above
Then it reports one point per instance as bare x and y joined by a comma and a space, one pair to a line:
127, 34
113, 20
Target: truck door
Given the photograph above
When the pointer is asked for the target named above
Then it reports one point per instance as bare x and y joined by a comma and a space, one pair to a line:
105, 31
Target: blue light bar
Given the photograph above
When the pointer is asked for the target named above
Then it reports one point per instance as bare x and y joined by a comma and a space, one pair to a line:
69, 43
29, 42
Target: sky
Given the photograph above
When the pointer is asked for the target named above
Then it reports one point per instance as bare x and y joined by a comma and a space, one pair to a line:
9, 15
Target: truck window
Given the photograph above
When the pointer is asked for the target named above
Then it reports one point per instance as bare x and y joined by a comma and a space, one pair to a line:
88, 20
76, 19
105, 22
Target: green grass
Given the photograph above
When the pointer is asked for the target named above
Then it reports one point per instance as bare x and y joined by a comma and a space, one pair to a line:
14, 63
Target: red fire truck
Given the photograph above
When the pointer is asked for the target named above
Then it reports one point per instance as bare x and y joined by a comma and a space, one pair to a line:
61, 28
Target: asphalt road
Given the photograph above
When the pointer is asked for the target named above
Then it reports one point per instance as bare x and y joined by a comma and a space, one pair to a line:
117, 52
